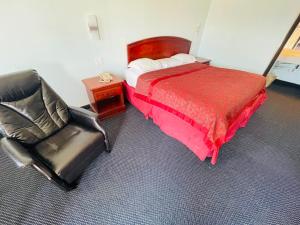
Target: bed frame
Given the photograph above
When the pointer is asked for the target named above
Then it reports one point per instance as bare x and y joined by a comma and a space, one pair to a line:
169, 123
157, 47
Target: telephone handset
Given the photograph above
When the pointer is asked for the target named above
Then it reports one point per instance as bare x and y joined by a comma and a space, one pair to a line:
105, 77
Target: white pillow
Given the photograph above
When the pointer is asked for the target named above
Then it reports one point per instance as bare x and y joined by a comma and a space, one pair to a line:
145, 65
169, 62
184, 58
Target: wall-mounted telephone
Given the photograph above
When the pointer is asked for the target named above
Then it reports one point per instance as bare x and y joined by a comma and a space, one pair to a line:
105, 77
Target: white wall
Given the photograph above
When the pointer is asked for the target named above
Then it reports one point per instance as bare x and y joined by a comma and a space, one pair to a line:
51, 36
245, 34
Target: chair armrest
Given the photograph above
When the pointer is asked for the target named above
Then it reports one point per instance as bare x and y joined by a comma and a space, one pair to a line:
88, 119
16, 152
83, 116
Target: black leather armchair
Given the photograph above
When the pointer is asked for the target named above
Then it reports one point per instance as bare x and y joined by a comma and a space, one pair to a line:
38, 129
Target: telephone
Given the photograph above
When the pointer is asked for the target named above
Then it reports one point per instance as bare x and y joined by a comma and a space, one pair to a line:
105, 77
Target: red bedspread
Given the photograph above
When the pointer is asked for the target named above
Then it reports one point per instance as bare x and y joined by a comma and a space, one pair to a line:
208, 98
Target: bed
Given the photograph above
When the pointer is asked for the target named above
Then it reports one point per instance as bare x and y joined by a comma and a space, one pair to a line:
201, 106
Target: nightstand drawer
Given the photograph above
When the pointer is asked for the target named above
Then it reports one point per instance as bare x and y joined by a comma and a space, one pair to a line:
108, 93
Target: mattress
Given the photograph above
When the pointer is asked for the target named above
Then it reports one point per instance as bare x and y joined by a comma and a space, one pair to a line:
200, 106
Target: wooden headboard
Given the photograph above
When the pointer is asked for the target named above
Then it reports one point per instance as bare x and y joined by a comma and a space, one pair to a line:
157, 47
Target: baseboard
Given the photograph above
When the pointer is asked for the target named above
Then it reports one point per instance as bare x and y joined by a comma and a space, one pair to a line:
285, 83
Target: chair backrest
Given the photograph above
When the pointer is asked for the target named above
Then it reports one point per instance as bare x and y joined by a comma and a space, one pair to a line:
30, 110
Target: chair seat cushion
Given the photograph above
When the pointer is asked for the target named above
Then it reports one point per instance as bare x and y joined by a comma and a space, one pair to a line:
69, 151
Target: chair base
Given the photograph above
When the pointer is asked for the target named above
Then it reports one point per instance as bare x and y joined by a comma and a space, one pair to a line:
51, 176
107, 144
63, 185
108, 150
54, 178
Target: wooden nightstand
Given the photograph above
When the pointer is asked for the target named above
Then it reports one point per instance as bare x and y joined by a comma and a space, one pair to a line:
203, 60
106, 99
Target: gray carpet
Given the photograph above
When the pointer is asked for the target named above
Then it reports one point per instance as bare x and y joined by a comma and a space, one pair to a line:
150, 178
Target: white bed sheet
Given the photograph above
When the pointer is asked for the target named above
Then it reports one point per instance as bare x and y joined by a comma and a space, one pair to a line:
131, 76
